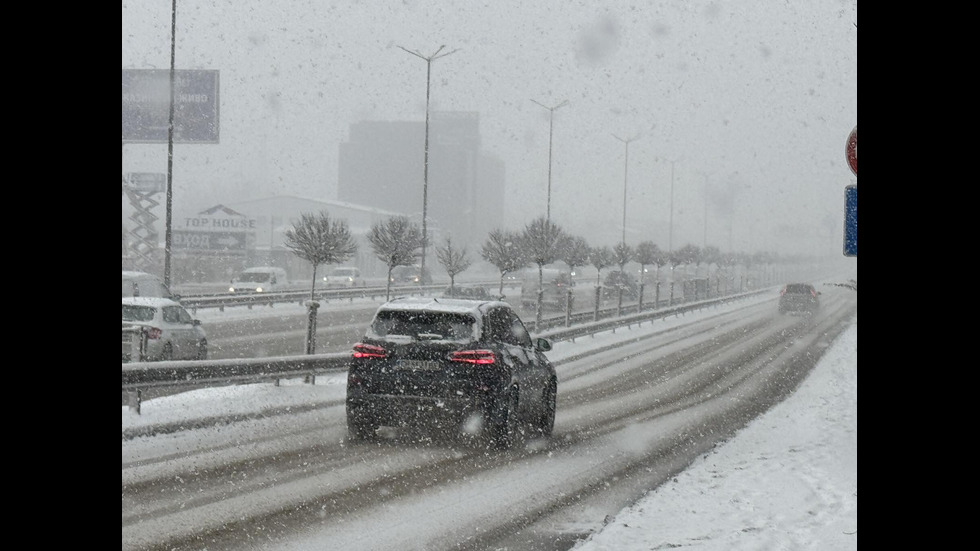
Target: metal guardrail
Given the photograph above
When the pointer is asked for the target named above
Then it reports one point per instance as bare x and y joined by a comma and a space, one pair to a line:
143, 375
221, 301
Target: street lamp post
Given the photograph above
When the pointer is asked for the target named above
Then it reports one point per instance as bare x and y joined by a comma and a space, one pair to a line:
625, 174
704, 240
168, 236
425, 173
670, 237
551, 132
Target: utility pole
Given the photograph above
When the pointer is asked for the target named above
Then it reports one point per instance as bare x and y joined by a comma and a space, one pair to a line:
704, 240
625, 175
425, 175
551, 132
670, 238
168, 240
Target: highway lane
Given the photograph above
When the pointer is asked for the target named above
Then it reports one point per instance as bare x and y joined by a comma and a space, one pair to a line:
628, 419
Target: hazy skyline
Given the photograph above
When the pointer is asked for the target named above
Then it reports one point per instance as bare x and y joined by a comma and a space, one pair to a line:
753, 99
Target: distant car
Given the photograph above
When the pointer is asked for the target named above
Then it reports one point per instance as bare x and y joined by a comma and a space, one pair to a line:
343, 277
142, 284
410, 275
474, 292
260, 279
617, 280
173, 334
799, 298
441, 362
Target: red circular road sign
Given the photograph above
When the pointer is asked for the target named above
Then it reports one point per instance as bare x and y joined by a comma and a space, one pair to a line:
851, 151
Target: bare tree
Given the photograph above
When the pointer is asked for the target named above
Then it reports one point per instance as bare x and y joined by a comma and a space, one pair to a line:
503, 250
453, 260
543, 241
576, 252
622, 253
688, 254
646, 253
396, 242
600, 257
319, 240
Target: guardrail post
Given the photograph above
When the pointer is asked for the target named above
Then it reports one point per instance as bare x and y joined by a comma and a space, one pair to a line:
568, 308
139, 345
311, 308
670, 300
537, 312
639, 307
598, 294
135, 400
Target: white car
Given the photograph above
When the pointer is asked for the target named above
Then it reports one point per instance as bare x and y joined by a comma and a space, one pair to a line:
172, 334
343, 277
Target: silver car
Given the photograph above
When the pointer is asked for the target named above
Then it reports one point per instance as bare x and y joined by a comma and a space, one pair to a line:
172, 334
343, 277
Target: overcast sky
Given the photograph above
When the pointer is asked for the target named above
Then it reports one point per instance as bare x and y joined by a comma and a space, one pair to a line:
753, 99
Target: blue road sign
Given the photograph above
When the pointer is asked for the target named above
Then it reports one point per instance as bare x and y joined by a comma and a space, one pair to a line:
851, 221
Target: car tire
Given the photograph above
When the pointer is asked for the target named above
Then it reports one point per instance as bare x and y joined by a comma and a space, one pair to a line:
202, 350
546, 424
505, 427
360, 426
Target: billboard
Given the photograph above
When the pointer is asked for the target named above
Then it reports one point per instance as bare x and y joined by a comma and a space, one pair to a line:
208, 241
218, 229
146, 106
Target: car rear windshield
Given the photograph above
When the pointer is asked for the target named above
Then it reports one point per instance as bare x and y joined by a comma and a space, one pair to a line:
418, 326
799, 289
137, 313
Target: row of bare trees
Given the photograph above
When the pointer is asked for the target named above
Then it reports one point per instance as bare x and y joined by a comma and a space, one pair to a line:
397, 241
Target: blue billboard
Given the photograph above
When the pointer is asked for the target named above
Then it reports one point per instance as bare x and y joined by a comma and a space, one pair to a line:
146, 106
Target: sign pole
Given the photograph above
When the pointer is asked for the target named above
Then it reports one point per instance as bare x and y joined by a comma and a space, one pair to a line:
850, 196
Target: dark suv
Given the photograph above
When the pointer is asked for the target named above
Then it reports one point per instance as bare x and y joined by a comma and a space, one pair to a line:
466, 365
799, 298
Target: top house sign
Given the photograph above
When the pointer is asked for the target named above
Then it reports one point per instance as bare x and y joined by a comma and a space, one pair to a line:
146, 106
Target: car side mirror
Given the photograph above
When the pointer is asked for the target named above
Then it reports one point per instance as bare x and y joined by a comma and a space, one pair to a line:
196, 322
542, 345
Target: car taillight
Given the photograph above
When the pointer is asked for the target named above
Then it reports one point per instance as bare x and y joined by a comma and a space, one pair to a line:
473, 356
813, 293
782, 292
153, 333
362, 350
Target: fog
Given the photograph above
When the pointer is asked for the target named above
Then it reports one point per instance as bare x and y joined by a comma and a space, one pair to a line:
751, 102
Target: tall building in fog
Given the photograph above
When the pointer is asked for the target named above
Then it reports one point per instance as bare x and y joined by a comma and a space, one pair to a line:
382, 166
